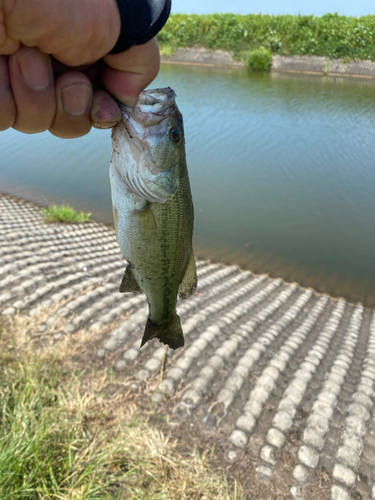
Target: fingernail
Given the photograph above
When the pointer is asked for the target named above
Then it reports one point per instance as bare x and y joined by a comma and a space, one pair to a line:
129, 101
76, 99
34, 69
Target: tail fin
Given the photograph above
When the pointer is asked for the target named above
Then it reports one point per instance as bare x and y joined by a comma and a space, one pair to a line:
169, 333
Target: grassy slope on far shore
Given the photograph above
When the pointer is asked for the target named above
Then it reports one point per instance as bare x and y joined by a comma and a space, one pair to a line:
331, 35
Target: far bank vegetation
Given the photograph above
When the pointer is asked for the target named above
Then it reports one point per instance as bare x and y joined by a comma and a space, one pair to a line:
331, 35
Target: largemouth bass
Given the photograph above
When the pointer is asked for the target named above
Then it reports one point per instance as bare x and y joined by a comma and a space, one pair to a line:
153, 210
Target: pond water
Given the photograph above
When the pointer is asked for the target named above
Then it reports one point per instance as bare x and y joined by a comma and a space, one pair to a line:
282, 170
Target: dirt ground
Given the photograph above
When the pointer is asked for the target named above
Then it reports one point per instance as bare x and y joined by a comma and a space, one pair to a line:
78, 353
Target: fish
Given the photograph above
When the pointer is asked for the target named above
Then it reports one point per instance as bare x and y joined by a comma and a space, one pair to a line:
153, 210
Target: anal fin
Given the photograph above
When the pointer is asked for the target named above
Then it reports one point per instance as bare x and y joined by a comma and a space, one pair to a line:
188, 283
129, 283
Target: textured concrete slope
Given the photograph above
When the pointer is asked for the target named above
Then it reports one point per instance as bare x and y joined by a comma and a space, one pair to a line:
264, 361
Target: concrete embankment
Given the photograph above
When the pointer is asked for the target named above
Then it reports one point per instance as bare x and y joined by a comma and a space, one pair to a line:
279, 378
292, 64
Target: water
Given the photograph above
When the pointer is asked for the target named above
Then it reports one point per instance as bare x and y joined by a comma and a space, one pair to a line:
281, 167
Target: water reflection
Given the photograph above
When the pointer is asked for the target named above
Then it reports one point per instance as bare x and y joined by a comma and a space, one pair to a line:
281, 169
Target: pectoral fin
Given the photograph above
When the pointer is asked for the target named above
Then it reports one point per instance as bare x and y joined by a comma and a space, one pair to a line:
129, 283
188, 283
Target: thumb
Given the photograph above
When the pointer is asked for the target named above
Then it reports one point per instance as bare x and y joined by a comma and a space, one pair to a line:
128, 73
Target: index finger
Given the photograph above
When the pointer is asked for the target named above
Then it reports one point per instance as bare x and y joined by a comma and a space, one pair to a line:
130, 72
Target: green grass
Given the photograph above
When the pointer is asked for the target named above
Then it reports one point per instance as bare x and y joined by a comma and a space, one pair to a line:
331, 35
65, 213
46, 450
259, 60
167, 50
63, 437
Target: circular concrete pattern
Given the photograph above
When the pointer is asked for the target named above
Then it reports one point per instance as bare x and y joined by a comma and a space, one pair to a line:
267, 365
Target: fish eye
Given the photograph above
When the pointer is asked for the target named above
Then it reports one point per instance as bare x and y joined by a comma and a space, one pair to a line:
175, 134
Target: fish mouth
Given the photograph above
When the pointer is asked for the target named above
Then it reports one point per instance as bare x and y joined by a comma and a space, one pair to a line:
145, 125
148, 121
152, 107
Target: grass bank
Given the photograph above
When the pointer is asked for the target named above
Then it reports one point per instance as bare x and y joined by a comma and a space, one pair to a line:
65, 434
65, 213
331, 35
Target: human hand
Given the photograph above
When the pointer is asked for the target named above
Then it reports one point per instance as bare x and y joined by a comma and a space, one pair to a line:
55, 65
